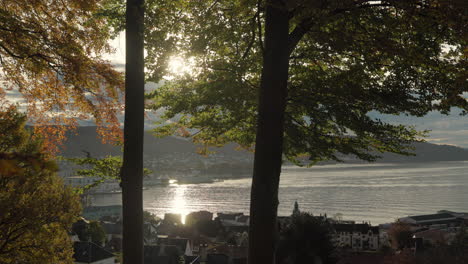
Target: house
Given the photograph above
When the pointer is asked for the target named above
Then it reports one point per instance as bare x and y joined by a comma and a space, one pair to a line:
183, 244
173, 218
231, 251
435, 236
90, 253
236, 228
229, 217
194, 217
113, 235
112, 229
445, 218
233, 219
358, 237
161, 254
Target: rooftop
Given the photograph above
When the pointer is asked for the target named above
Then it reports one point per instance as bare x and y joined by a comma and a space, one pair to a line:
432, 217
88, 252
363, 228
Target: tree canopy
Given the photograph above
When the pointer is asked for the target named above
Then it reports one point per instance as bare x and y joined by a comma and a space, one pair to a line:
347, 59
51, 53
37, 210
293, 78
305, 240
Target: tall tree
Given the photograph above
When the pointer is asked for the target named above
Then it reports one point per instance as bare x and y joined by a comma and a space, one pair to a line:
336, 64
401, 236
306, 239
269, 139
37, 210
132, 167
51, 54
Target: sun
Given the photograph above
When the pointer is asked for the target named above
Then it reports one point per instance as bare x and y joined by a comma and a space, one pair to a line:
179, 66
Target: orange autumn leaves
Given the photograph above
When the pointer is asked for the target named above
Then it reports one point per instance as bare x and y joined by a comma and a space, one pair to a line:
51, 53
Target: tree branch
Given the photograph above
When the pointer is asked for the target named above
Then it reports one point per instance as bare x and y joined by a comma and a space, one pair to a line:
252, 40
259, 26
304, 26
299, 31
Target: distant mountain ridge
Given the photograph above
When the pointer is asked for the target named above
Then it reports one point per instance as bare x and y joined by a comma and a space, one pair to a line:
426, 152
86, 140
173, 155
166, 156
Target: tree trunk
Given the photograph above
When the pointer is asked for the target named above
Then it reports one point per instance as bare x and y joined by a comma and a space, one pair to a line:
269, 141
132, 168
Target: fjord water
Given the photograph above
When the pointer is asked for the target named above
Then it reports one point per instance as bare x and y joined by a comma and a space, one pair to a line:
378, 193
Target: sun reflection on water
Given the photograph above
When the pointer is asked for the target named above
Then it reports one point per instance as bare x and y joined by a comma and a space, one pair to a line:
179, 202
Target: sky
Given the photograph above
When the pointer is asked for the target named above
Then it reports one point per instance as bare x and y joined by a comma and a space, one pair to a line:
449, 129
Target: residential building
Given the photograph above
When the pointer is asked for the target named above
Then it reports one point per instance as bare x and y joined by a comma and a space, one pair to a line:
446, 219
233, 219
194, 217
173, 218
90, 253
183, 244
161, 254
358, 237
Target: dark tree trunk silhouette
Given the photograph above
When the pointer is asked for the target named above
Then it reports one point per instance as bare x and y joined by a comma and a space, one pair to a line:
263, 235
132, 168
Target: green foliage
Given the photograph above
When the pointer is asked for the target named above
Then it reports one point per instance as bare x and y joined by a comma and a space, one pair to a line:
101, 168
347, 61
108, 167
459, 244
96, 233
305, 239
14, 136
150, 218
92, 231
37, 210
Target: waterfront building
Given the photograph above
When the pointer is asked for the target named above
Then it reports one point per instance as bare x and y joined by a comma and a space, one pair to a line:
357, 237
442, 219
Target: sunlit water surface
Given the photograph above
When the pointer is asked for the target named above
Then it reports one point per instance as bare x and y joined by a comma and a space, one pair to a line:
377, 193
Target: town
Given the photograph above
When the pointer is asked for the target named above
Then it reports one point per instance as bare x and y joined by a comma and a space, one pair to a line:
203, 238
233, 132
